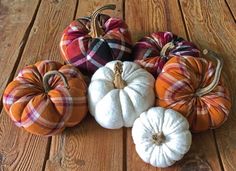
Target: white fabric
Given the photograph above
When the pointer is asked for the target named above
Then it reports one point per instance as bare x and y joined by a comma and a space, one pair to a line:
114, 108
175, 128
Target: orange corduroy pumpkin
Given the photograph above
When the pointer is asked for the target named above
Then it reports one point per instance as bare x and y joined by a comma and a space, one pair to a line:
195, 88
47, 97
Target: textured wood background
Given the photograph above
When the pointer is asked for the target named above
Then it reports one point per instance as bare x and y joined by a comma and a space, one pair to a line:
31, 30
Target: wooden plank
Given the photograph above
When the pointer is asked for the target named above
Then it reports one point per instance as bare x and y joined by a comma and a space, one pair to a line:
20, 150
46, 33
88, 146
85, 8
16, 18
211, 25
232, 6
145, 17
161, 15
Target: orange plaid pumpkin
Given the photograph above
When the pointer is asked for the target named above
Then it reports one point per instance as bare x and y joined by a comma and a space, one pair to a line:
193, 87
47, 97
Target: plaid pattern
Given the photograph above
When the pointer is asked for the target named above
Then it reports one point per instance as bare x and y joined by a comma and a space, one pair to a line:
176, 86
88, 54
43, 113
146, 51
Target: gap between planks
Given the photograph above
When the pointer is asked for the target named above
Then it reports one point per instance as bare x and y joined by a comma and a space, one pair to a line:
218, 25
231, 10
212, 131
20, 50
50, 138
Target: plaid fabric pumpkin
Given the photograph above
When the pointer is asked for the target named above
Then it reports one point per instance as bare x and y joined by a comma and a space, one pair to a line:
193, 87
46, 97
88, 51
153, 51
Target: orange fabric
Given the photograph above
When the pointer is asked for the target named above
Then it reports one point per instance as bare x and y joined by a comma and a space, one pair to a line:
41, 113
176, 86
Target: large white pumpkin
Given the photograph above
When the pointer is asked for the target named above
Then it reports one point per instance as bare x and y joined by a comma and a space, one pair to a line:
161, 136
119, 92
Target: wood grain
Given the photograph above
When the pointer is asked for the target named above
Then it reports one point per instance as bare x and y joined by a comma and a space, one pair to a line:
16, 18
147, 16
88, 146
232, 6
85, 8
161, 15
44, 39
20, 150
211, 25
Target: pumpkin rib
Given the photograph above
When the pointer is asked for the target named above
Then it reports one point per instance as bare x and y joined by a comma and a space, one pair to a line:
122, 108
14, 91
141, 122
150, 123
128, 97
99, 110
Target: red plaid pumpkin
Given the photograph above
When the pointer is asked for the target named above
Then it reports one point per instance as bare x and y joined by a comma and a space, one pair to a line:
91, 42
153, 51
194, 87
47, 97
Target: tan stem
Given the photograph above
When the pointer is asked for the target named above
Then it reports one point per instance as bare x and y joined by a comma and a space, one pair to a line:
96, 30
167, 46
158, 138
119, 83
46, 77
214, 83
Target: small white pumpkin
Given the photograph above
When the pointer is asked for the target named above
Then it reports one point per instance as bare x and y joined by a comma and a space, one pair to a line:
119, 93
161, 136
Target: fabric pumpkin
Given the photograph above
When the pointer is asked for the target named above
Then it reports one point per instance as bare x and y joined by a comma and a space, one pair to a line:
47, 97
90, 42
119, 93
193, 87
153, 51
161, 136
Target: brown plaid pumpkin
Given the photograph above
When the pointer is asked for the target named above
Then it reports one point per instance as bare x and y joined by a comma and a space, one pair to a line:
47, 97
90, 42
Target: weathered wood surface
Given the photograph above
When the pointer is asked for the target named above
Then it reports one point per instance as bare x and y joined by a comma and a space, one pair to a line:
211, 25
35, 27
16, 19
88, 146
232, 7
20, 150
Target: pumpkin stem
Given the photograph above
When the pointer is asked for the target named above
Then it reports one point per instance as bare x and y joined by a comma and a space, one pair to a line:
96, 30
119, 83
158, 138
46, 77
167, 46
214, 83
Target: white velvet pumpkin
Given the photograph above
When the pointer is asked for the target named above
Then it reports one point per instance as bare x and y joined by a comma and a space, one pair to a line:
119, 93
161, 136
